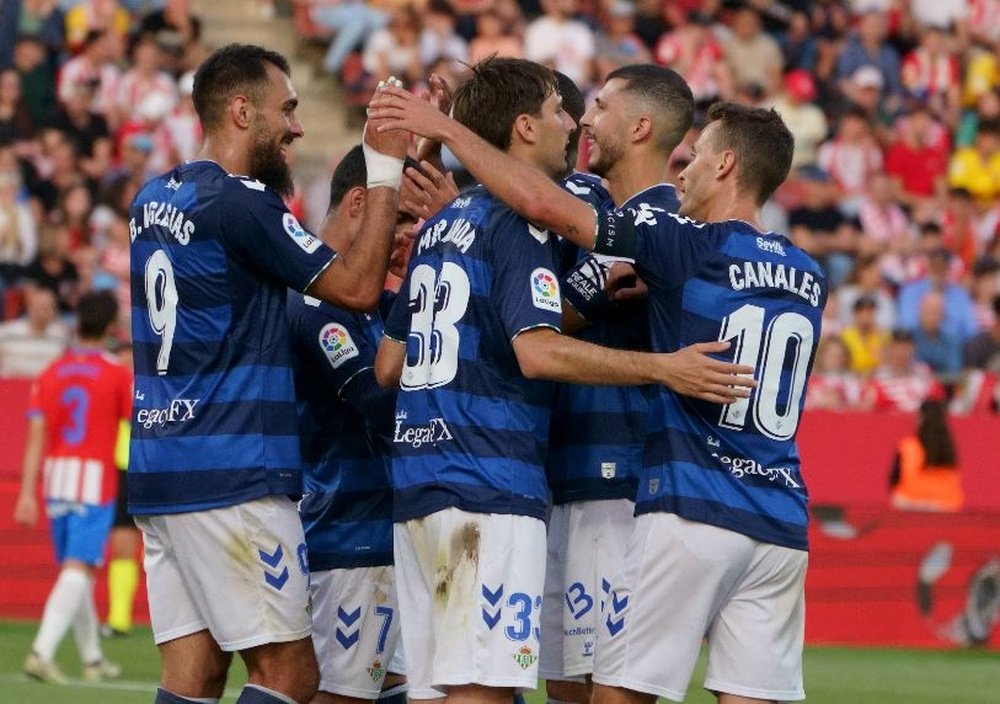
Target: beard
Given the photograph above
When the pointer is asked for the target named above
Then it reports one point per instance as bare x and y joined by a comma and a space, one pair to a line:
609, 154
268, 166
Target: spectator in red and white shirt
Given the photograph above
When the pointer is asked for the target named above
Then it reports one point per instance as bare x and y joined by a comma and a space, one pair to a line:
832, 385
145, 78
884, 225
851, 157
94, 65
901, 384
931, 73
694, 53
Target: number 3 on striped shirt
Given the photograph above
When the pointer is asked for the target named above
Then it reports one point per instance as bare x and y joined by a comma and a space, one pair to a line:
161, 303
437, 303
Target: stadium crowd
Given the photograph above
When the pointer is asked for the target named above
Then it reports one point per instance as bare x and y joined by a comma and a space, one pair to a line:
894, 105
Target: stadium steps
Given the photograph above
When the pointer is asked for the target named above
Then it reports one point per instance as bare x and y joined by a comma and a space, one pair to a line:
321, 109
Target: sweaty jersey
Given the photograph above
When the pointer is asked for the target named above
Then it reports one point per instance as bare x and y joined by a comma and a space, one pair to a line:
735, 466
470, 430
345, 424
214, 420
82, 396
598, 432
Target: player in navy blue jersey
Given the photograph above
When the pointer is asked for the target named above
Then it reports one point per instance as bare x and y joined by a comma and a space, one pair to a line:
471, 338
214, 454
719, 547
598, 432
345, 424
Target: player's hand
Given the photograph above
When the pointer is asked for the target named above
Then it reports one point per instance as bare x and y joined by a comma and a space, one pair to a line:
691, 372
26, 510
623, 284
397, 109
440, 96
426, 191
392, 143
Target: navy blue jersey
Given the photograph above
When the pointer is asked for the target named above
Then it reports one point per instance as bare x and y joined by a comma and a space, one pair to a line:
598, 432
214, 414
734, 466
470, 430
345, 422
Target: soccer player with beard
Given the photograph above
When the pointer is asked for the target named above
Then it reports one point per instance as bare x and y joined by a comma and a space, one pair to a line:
598, 432
214, 452
719, 546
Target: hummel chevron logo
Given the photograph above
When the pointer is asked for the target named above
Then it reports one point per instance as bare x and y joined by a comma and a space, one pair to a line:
493, 599
276, 581
272, 560
617, 606
347, 641
349, 619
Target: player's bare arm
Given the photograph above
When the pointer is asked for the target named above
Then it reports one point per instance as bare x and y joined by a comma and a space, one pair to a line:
527, 190
26, 509
389, 362
545, 354
354, 279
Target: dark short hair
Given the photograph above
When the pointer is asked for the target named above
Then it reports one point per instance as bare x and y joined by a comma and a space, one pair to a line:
499, 90
235, 68
574, 105
666, 93
902, 335
95, 313
996, 305
351, 172
762, 144
865, 302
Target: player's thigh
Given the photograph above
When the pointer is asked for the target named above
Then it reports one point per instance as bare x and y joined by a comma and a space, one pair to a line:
87, 533
244, 569
598, 534
413, 590
675, 577
355, 628
755, 642
482, 577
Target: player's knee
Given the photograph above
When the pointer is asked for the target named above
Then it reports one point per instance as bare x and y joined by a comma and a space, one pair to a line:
567, 691
165, 697
257, 694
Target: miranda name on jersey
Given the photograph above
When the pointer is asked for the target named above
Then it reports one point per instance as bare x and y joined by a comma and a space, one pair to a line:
760, 274
461, 233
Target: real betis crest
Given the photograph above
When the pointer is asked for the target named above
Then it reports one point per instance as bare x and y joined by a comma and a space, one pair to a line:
525, 657
377, 672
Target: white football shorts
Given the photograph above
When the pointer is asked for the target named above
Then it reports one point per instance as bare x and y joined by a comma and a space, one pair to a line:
355, 629
684, 581
470, 596
238, 571
587, 541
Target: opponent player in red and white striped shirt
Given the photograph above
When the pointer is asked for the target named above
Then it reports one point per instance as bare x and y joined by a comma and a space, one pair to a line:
76, 406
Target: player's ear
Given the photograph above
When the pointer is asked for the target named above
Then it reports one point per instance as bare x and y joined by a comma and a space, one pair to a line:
356, 201
725, 164
242, 111
524, 129
642, 129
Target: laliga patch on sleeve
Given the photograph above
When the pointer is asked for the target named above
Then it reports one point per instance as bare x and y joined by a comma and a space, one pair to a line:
303, 239
545, 290
337, 344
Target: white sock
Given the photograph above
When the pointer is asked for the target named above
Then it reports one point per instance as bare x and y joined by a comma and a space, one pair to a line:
86, 630
64, 601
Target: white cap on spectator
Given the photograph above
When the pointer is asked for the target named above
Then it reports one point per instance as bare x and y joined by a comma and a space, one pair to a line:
186, 83
867, 77
154, 107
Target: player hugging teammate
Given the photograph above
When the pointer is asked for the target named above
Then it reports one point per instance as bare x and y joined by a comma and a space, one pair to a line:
436, 429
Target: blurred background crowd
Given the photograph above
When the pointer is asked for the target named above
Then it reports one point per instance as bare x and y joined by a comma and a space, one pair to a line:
894, 106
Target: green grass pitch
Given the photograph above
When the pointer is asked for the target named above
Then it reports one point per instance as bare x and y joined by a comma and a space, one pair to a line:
832, 675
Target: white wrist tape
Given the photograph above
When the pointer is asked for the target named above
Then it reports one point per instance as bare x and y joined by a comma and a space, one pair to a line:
383, 170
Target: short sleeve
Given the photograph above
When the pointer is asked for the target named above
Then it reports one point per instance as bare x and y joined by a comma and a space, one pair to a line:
336, 344
36, 398
667, 248
125, 393
525, 289
260, 229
